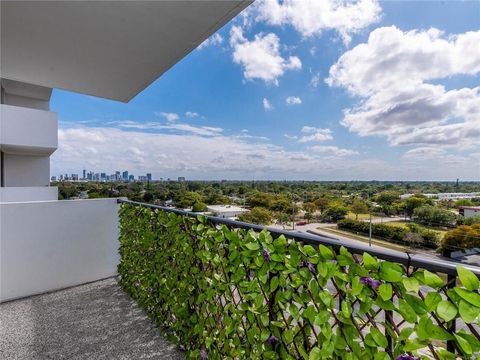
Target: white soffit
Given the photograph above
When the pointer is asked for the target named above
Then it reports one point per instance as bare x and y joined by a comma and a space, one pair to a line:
110, 49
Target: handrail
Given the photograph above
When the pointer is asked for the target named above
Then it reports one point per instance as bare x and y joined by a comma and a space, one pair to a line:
430, 263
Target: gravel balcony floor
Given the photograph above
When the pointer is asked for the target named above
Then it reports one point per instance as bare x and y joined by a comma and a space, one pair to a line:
92, 321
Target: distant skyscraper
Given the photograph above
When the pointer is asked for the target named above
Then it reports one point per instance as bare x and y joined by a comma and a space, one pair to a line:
149, 177
181, 178
84, 174
125, 175
131, 177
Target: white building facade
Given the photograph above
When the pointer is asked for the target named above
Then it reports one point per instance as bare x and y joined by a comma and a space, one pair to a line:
108, 49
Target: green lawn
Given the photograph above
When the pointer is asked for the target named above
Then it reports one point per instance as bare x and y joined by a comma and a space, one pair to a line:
352, 216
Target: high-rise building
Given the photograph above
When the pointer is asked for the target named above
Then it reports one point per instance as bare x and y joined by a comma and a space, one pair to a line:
84, 174
149, 177
125, 175
181, 178
131, 177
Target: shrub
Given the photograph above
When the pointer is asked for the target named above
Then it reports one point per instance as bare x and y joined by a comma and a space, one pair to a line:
199, 207
461, 238
257, 215
335, 212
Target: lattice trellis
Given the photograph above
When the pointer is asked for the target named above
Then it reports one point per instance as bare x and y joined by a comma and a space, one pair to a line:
232, 293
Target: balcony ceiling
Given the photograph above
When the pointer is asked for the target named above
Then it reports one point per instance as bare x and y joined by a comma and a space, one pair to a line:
110, 49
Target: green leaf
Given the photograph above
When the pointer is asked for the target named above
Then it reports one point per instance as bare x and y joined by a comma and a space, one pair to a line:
411, 284
381, 356
406, 311
446, 310
416, 303
274, 284
369, 261
468, 278
463, 344
413, 344
325, 252
390, 272
357, 286
309, 250
252, 246
471, 297
385, 291
378, 337
467, 311
315, 354
431, 300
346, 309
432, 280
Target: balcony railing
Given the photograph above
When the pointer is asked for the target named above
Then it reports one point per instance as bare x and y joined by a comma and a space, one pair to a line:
227, 289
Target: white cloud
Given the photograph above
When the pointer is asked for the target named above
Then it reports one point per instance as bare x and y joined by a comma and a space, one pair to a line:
312, 17
291, 137
191, 155
315, 134
215, 39
399, 75
267, 106
168, 116
261, 58
191, 114
197, 130
423, 153
315, 80
332, 151
219, 156
293, 100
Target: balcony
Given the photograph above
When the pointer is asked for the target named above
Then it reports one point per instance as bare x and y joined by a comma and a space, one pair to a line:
224, 289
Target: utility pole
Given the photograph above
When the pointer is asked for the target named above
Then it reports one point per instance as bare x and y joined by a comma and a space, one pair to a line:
293, 214
370, 231
370, 216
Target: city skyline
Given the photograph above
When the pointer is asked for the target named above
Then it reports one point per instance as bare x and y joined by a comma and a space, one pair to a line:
375, 90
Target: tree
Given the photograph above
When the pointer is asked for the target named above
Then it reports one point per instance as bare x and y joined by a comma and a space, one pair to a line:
387, 197
322, 204
187, 199
260, 199
148, 197
257, 215
335, 212
309, 207
359, 207
413, 239
199, 207
412, 203
433, 216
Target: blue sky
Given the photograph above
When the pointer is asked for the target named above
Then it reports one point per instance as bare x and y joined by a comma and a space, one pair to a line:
314, 90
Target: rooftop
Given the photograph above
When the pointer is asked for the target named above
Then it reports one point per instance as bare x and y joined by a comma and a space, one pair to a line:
92, 321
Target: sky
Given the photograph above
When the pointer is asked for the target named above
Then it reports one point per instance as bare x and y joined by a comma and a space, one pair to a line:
299, 90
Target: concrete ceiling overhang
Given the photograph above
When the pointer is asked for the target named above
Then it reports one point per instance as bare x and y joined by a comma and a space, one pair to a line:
110, 49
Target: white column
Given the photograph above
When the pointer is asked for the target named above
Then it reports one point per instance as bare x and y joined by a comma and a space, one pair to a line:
28, 136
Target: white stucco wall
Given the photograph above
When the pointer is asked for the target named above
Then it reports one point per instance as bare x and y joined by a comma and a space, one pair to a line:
26, 170
51, 245
28, 193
